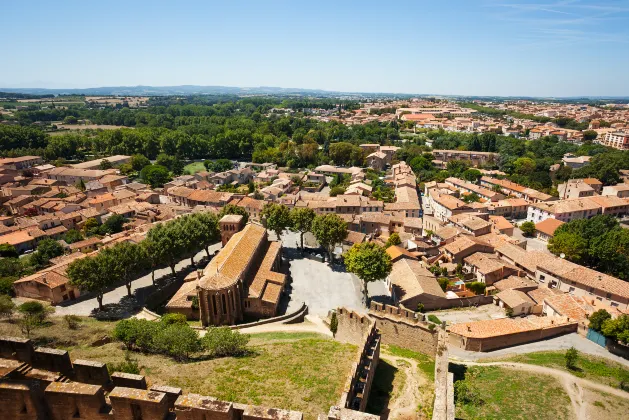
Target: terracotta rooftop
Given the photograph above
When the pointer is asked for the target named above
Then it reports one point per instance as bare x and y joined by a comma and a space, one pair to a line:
548, 226
504, 326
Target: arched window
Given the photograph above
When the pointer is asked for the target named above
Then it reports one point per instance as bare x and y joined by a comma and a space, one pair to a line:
214, 304
224, 304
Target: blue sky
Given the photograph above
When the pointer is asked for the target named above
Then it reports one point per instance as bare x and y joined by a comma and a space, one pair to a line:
467, 47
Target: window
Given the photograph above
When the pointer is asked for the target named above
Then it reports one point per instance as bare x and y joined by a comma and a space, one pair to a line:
224, 304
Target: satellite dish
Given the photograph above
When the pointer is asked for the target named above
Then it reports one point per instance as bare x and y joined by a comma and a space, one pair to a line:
562, 255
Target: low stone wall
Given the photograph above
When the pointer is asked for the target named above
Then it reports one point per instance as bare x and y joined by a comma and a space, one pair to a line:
464, 302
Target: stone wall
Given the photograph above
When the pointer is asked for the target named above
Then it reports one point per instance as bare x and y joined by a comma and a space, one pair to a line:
352, 326
358, 386
443, 405
404, 328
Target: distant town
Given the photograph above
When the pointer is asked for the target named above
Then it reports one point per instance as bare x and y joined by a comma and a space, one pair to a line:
147, 240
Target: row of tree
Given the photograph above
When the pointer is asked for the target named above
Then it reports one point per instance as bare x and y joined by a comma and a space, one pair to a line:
165, 245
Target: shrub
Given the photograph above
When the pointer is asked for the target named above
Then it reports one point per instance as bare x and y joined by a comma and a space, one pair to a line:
6, 306
443, 283
33, 314
571, 356
170, 319
6, 285
466, 394
420, 308
477, 287
334, 324
72, 321
177, 340
223, 341
433, 318
127, 366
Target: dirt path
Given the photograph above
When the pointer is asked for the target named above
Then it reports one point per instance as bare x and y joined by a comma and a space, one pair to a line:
404, 406
574, 386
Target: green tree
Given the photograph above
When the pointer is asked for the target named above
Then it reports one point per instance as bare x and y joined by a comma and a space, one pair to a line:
166, 245
155, 175
219, 165
571, 356
301, 221
394, 239
178, 341
472, 175
139, 162
48, 249
617, 329
91, 226
334, 324
471, 198
72, 236
338, 190
276, 218
572, 245
598, 318
209, 233
113, 224
589, 135
8, 251
477, 287
89, 275
130, 261
528, 228
443, 283
32, 315
369, 261
6, 306
70, 119
223, 341
524, 166
329, 230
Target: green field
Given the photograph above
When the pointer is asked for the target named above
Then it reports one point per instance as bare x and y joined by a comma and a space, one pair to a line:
589, 367
193, 168
509, 394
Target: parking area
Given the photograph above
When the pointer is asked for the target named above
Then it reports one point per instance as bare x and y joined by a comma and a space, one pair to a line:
319, 285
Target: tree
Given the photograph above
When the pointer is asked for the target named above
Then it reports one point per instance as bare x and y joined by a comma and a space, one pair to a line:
334, 324
477, 287
113, 224
129, 260
72, 236
138, 162
219, 165
528, 228
166, 244
89, 275
32, 315
589, 135
394, 239
329, 230
571, 356
369, 261
338, 190
572, 245
234, 209
524, 166
48, 249
8, 251
472, 175
6, 306
105, 164
598, 318
91, 226
301, 221
277, 218
70, 119
443, 283
617, 329
223, 341
208, 230
155, 175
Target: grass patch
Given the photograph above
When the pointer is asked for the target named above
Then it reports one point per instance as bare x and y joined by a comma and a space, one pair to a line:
193, 168
387, 385
301, 371
433, 318
589, 367
605, 406
509, 394
424, 363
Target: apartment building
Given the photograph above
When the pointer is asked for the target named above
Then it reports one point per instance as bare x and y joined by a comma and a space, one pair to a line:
515, 190
445, 206
476, 158
618, 140
484, 193
564, 210
620, 190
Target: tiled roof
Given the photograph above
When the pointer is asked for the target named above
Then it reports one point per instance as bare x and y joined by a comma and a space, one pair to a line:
411, 279
513, 298
504, 326
548, 226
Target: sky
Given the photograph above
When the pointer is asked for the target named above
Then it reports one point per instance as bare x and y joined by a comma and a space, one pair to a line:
449, 47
